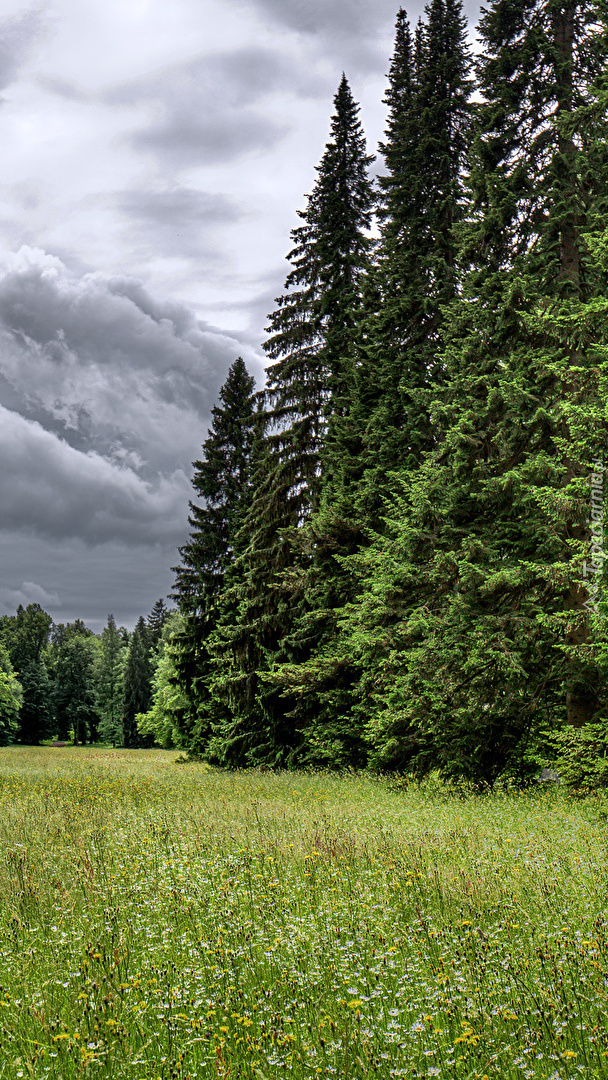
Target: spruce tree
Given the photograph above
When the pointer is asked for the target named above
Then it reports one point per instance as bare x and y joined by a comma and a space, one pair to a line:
156, 621
109, 683
137, 683
311, 345
422, 201
387, 425
74, 654
471, 631
312, 330
222, 483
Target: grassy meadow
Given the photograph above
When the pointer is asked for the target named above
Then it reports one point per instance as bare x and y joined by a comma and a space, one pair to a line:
159, 920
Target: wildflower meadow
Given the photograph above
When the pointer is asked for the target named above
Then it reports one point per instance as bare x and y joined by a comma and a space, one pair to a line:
159, 920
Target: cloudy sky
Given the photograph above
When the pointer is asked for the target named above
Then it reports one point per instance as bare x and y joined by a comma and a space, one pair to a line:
154, 155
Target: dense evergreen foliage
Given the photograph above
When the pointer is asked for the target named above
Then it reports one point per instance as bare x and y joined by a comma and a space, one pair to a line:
311, 346
387, 423
110, 683
72, 660
396, 556
471, 630
137, 682
223, 482
156, 622
412, 591
25, 637
415, 273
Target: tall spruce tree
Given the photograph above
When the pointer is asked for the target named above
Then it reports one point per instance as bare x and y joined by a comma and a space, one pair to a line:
222, 482
398, 366
471, 630
312, 330
311, 345
422, 201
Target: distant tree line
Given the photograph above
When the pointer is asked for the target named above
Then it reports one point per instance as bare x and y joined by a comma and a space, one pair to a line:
63, 682
391, 548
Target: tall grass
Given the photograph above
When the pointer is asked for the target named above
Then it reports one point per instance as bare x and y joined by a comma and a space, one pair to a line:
164, 921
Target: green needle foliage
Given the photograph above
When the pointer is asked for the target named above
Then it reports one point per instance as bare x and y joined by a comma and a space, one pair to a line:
156, 621
312, 330
415, 272
312, 349
471, 631
109, 683
137, 683
398, 363
222, 482
25, 636
416, 583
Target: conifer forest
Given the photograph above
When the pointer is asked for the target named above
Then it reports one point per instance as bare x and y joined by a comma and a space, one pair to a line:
395, 558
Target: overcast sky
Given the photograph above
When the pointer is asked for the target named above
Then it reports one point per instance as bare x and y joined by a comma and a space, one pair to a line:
154, 156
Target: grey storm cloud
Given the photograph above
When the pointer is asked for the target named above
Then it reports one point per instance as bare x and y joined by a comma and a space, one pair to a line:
233, 79
18, 36
349, 18
205, 108
353, 30
63, 88
185, 140
59, 492
106, 389
105, 398
344, 20
182, 208
29, 593
84, 582
177, 222
356, 31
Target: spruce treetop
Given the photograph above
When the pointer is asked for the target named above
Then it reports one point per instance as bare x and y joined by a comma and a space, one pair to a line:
311, 330
222, 484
